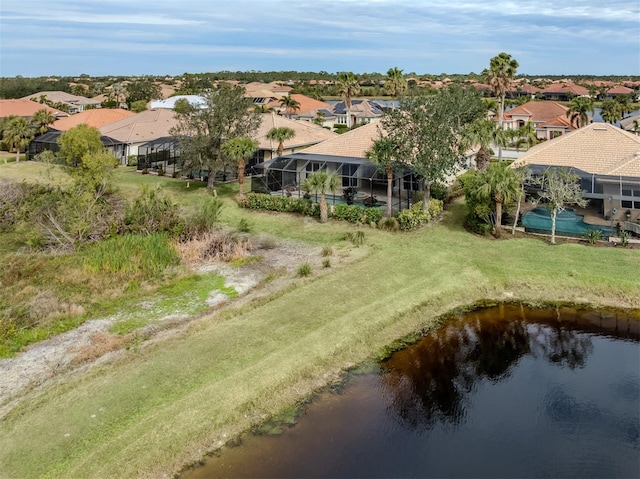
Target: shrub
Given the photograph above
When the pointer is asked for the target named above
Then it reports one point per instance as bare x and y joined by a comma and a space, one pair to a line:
244, 226
160, 172
389, 224
304, 270
282, 204
206, 217
416, 216
624, 239
145, 171
356, 214
593, 236
152, 212
439, 191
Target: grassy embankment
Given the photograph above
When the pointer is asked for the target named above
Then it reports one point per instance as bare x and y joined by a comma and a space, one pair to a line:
168, 404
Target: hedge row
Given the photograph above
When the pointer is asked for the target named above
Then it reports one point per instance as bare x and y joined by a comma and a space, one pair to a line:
288, 204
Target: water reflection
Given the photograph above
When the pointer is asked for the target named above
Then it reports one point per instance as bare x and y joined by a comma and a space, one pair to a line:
434, 379
504, 392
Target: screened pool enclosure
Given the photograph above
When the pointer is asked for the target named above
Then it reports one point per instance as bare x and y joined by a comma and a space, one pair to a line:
285, 176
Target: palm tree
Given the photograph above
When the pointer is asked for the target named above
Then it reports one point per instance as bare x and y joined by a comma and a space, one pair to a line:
321, 182
383, 154
42, 119
502, 70
501, 184
579, 110
626, 105
611, 111
239, 149
395, 83
482, 132
526, 135
280, 134
348, 86
17, 132
290, 104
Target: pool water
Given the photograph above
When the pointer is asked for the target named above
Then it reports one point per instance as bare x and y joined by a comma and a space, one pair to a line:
568, 223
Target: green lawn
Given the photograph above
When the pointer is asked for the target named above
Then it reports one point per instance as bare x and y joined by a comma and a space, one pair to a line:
167, 404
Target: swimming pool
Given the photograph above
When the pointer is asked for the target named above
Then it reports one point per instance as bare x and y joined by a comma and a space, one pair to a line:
568, 223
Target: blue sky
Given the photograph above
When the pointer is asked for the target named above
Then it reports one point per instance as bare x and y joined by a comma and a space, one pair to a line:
135, 37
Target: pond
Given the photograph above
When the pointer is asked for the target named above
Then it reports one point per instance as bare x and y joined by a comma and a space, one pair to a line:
502, 392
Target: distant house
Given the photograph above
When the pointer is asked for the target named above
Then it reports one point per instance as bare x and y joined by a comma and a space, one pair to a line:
96, 118
616, 91
310, 110
73, 103
631, 124
170, 103
563, 91
26, 109
362, 111
549, 118
49, 141
606, 158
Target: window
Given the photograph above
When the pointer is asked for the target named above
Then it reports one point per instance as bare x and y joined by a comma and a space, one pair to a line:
631, 204
312, 166
348, 172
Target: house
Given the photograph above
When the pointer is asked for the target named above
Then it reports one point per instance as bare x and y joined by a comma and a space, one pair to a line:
563, 91
66, 101
165, 150
141, 128
26, 109
631, 124
170, 103
310, 109
344, 155
607, 160
549, 118
49, 141
96, 118
362, 111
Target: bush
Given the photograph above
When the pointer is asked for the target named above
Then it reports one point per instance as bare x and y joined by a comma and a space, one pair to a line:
151, 212
356, 214
160, 172
389, 224
282, 204
416, 216
304, 270
439, 192
205, 218
593, 236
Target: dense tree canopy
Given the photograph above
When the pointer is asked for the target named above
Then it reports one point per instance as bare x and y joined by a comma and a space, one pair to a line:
228, 114
430, 132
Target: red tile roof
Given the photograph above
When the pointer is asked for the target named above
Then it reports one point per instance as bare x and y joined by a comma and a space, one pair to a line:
538, 111
97, 117
566, 88
25, 108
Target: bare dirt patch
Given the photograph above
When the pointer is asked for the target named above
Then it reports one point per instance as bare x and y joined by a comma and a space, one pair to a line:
271, 266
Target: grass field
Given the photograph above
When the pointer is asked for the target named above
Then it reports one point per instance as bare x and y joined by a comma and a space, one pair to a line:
167, 404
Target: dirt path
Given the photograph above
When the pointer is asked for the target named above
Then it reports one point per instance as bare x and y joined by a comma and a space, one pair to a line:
54, 360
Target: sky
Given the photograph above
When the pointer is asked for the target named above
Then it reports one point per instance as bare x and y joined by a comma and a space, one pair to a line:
157, 37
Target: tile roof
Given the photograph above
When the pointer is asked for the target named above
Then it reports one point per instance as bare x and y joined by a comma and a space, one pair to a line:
307, 104
97, 117
559, 87
61, 96
354, 143
307, 133
619, 90
538, 111
145, 126
627, 123
598, 148
361, 108
25, 108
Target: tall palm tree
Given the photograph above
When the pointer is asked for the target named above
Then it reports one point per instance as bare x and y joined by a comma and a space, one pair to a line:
280, 134
501, 72
611, 111
290, 104
321, 182
579, 110
239, 150
42, 119
626, 105
348, 86
501, 184
17, 132
383, 154
395, 83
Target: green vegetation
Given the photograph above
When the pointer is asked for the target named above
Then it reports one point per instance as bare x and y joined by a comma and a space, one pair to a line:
232, 369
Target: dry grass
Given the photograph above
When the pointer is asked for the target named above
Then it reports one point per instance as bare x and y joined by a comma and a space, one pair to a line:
215, 245
100, 343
